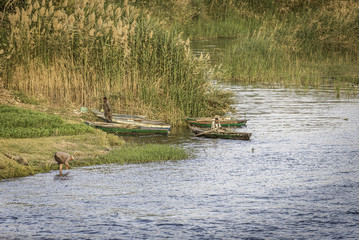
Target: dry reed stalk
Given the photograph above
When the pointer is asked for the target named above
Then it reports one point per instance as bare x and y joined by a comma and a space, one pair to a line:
85, 63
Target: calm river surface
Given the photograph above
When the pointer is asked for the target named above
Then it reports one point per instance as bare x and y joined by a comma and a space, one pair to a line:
298, 178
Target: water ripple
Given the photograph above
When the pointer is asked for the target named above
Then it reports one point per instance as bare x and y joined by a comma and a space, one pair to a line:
296, 179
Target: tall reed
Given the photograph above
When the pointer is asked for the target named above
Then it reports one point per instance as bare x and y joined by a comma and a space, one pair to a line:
78, 51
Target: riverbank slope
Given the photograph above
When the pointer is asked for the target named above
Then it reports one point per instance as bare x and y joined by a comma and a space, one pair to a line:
23, 152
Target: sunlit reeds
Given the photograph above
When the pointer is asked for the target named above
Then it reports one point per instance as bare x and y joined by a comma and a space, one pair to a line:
78, 51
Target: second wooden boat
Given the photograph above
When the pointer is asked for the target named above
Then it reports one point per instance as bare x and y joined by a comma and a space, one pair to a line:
223, 133
225, 122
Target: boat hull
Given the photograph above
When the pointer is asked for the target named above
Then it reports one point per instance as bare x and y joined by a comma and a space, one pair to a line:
121, 129
222, 133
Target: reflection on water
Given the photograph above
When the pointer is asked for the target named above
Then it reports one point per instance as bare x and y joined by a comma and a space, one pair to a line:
214, 47
64, 176
296, 178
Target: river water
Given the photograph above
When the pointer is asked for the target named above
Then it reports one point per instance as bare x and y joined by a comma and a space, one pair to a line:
298, 178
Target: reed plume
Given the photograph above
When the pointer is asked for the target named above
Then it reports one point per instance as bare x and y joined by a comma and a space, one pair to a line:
77, 51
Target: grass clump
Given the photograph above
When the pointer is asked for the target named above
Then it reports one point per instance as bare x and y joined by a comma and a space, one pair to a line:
145, 153
24, 123
134, 154
298, 48
11, 169
19, 96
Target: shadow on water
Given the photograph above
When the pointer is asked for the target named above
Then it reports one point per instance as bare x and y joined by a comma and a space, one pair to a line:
63, 177
178, 136
213, 47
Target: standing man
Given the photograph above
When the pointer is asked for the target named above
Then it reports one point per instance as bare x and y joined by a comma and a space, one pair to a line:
63, 158
107, 109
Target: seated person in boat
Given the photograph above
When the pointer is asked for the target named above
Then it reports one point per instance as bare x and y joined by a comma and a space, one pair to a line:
107, 109
216, 124
63, 158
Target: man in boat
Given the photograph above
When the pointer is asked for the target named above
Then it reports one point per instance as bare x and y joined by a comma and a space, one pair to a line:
63, 158
107, 109
216, 124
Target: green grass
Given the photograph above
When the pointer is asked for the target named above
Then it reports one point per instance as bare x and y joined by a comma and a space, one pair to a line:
208, 29
24, 123
134, 154
11, 169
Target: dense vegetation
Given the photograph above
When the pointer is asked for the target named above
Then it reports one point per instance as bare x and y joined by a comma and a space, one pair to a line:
23, 123
78, 51
301, 43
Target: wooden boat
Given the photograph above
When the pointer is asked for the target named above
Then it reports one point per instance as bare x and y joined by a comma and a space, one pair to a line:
140, 121
225, 122
126, 129
220, 133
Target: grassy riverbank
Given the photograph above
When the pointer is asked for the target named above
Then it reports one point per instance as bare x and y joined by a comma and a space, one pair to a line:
88, 149
30, 138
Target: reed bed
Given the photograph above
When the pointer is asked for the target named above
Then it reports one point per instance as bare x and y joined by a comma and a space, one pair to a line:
288, 43
78, 51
